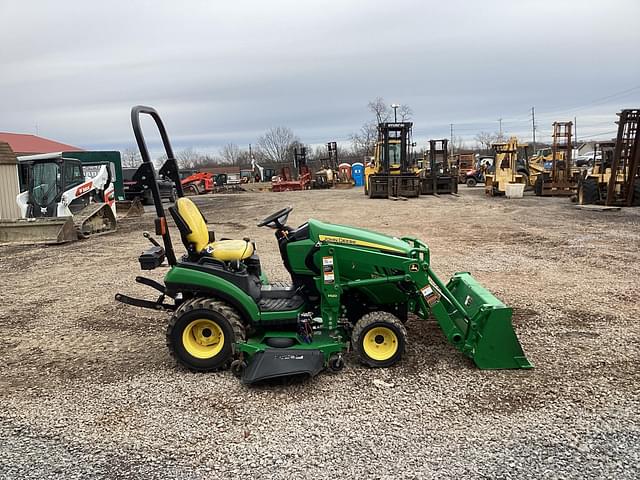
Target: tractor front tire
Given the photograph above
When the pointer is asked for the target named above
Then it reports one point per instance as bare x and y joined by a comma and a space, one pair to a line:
471, 182
588, 192
202, 332
379, 339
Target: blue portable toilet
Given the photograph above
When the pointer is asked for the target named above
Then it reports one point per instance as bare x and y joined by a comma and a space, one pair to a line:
357, 173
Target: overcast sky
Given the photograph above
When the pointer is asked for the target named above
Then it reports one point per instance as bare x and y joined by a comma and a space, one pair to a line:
225, 71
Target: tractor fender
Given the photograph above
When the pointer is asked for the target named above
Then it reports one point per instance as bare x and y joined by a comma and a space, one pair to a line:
200, 283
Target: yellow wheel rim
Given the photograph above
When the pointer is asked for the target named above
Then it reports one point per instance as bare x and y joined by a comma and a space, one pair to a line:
203, 338
380, 343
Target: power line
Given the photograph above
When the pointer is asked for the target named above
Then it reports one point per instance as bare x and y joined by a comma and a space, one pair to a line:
533, 126
595, 102
587, 136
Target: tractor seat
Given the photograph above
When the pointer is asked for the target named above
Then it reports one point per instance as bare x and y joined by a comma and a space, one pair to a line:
197, 238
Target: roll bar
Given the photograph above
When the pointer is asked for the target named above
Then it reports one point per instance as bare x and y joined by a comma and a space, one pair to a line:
169, 169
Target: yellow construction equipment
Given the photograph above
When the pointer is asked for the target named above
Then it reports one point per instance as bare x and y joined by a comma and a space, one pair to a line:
555, 175
615, 177
390, 173
507, 168
539, 163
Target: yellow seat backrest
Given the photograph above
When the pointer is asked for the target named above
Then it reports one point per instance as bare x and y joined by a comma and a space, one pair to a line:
191, 215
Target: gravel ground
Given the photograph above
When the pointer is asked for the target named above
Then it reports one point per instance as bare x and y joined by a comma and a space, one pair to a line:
88, 389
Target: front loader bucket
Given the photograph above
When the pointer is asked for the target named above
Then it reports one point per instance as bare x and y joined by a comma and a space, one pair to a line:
38, 230
484, 331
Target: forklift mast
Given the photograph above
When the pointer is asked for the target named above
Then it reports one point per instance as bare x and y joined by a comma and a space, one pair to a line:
439, 153
395, 140
626, 158
561, 150
332, 162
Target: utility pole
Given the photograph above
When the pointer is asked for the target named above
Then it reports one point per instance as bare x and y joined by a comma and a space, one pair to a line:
250, 154
500, 122
452, 146
575, 130
533, 128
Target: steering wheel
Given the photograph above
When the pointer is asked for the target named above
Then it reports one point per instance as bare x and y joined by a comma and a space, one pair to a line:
276, 220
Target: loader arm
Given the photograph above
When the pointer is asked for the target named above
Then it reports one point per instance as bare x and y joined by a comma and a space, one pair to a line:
472, 319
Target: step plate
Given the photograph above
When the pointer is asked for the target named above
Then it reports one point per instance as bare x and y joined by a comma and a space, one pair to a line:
280, 304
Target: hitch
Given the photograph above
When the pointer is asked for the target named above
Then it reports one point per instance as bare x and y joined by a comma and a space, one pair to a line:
137, 302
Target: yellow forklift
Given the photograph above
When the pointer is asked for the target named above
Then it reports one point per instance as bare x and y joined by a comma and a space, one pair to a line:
391, 174
558, 176
615, 177
507, 168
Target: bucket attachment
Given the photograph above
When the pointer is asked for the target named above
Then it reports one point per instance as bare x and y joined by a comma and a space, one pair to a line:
483, 330
38, 230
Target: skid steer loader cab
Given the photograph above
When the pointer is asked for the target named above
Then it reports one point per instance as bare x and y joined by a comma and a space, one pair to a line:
48, 179
46, 188
350, 289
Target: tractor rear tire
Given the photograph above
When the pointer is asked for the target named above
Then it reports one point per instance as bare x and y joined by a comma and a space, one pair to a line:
379, 339
202, 332
588, 192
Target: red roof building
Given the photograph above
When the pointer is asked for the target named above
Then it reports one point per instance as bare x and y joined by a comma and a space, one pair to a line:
25, 144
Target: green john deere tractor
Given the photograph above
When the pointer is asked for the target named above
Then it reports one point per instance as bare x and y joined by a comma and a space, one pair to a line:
351, 289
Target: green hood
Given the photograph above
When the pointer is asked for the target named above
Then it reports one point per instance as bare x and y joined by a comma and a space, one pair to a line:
331, 233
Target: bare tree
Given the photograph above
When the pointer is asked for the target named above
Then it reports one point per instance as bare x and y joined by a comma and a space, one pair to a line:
405, 113
485, 139
230, 153
188, 158
380, 109
276, 144
192, 159
458, 144
364, 140
243, 158
318, 155
130, 157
